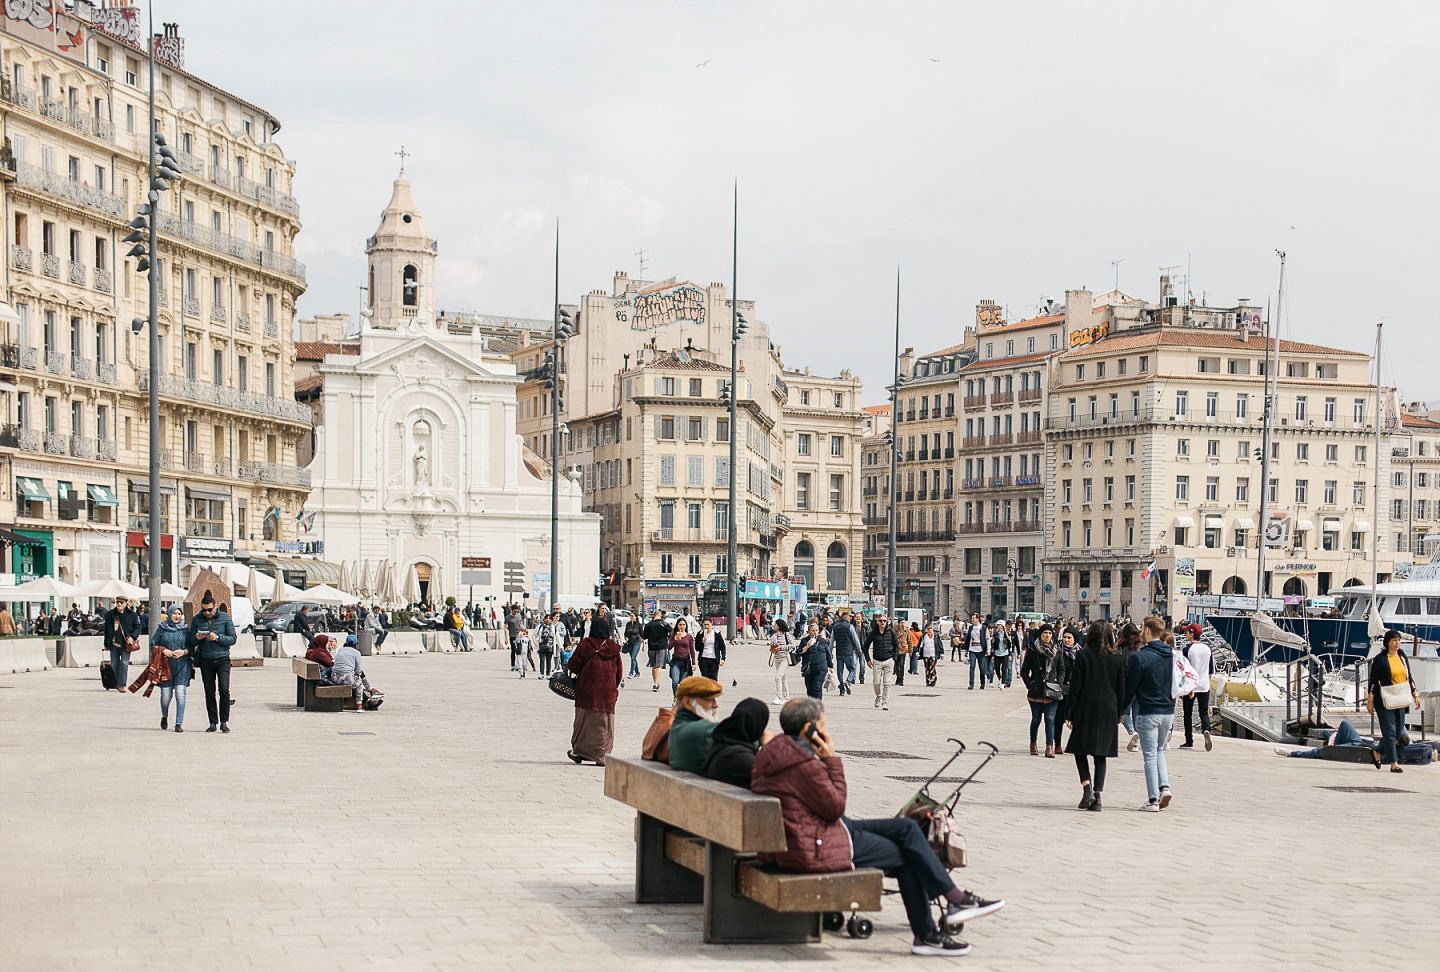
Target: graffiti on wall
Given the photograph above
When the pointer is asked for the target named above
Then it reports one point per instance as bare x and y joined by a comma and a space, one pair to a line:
685, 302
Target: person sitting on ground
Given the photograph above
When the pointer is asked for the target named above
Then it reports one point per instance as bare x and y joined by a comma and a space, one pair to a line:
1347, 736
347, 671
800, 767
737, 738
319, 653
697, 711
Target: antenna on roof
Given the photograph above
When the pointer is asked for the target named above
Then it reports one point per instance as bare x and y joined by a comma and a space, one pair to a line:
641, 254
1116, 265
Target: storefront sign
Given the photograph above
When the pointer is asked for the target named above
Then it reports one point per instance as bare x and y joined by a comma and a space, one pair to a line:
475, 563
1297, 567
669, 583
207, 548
684, 302
136, 538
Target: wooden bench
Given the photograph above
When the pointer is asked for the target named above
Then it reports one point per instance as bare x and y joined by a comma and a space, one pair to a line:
311, 692
696, 841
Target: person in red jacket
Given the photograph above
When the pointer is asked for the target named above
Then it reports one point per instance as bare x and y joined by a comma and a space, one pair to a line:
801, 769
598, 677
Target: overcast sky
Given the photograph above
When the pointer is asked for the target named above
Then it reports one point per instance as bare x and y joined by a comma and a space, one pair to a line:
1003, 150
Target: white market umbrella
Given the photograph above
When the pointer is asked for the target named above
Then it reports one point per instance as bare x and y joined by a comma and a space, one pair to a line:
47, 587
369, 579
172, 592
391, 581
346, 581
112, 588
412, 586
325, 594
252, 586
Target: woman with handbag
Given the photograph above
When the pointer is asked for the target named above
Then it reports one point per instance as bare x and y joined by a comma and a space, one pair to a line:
682, 654
598, 674
780, 660
1392, 687
1069, 650
170, 640
1041, 659
1097, 684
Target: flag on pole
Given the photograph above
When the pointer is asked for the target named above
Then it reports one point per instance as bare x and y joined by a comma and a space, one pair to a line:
1149, 569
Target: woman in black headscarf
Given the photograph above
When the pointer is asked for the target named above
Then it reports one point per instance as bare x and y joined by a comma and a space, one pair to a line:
736, 741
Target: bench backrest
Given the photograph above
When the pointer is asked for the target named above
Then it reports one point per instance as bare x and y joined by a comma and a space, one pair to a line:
306, 669
718, 812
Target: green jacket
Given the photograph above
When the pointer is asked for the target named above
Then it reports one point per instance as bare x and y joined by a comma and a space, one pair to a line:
208, 650
690, 741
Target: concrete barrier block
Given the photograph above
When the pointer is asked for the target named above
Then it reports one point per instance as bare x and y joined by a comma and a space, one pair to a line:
246, 649
402, 643
24, 655
86, 651
292, 645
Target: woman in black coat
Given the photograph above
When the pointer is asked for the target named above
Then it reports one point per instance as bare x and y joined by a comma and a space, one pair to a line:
736, 741
1097, 684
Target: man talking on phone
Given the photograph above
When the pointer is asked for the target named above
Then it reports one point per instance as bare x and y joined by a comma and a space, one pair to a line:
800, 767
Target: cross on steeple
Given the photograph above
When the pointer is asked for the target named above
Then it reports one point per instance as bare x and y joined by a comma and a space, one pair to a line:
403, 155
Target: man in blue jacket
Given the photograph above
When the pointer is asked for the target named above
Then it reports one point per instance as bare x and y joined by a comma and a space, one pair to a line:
1149, 684
211, 635
847, 652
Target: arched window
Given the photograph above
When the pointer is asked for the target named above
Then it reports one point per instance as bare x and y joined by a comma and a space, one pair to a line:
805, 563
1235, 585
410, 286
835, 567
1294, 587
270, 525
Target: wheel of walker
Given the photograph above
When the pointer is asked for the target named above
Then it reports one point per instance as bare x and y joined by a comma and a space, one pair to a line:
834, 921
864, 928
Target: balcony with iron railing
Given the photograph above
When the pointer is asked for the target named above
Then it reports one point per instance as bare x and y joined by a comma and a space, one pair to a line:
10, 436
63, 187
190, 305
103, 281
223, 243
21, 258
971, 529
949, 452
229, 398
972, 402
82, 447
242, 321
79, 366
972, 441
1024, 438
272, 329
949, 411
57, 443
105, 373
217, 312
50, 265
267, 196
1028, 395
55, 362
273, 472
1001, 438
105, 450
79, 273
9, 355
1002, 397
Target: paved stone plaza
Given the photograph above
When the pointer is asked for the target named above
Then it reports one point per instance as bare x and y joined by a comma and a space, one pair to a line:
449, 831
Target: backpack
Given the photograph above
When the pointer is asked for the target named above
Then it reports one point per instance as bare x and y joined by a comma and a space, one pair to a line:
1184, 680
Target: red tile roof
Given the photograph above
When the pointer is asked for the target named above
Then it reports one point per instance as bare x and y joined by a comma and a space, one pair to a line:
1022, 325
1008, 362
1193, 337
877, 409
317, 350
1418, 422
310, 384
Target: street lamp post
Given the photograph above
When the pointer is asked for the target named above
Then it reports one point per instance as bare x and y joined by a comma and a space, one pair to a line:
564, 326
163, 170
894, 460
1012, 570
738, 326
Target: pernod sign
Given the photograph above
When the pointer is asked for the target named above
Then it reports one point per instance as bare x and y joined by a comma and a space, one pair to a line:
647, 311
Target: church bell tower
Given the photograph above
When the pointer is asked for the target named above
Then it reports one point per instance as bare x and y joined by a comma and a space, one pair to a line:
401, 280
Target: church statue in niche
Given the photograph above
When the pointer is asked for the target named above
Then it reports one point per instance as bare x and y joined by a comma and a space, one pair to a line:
420, 435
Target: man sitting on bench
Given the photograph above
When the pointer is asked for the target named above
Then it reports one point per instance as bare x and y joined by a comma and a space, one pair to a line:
347, 671
801, 769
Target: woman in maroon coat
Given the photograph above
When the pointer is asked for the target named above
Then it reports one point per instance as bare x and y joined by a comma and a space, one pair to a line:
596, 666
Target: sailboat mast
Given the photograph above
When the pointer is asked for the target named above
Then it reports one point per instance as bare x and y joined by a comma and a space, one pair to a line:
1375, 502
1271, 369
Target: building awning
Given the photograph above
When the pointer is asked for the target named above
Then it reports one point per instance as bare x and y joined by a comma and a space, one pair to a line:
1185, 522
1213, 523
1305, 526
1245, 523
1331, 524
316, 571
31, 489
143, 486
19, 539
207, 494
1361, 526
102, 496
64, 489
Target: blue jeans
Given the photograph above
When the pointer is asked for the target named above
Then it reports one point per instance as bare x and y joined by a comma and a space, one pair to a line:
915, 662
1346, 735
846, 662
1127, 718
1046, 711
1392, 726
897, 846
977, 660
634, 651
679, 671
1153, 731
120, 661
177, 690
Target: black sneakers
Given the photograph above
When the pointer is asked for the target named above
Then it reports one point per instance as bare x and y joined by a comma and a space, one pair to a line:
939, 943
972, 906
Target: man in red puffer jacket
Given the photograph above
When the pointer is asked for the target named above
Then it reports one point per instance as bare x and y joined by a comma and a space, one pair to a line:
801, 769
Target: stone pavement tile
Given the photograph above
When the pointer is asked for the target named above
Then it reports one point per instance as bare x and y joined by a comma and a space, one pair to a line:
458, 834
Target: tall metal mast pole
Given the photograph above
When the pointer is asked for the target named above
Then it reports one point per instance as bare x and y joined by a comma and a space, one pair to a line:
555, 437
894, 460
156, 500
732, 573
1272, 365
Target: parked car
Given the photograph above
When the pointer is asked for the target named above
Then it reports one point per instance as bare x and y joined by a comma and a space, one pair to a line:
276, 617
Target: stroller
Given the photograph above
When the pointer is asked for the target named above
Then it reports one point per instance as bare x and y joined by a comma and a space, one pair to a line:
936, 820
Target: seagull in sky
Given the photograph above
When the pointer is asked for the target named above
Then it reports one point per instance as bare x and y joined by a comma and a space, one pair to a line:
703, 63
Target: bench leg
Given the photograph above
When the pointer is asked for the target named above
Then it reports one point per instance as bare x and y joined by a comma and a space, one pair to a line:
733, 920
658, 880
299, 692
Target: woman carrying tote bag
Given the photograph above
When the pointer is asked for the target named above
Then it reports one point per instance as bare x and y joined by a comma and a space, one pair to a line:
1391, 693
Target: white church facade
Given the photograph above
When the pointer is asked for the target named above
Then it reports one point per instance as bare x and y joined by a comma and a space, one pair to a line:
417, 457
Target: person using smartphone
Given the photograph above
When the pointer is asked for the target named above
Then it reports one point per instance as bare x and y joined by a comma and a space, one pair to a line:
801, 768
